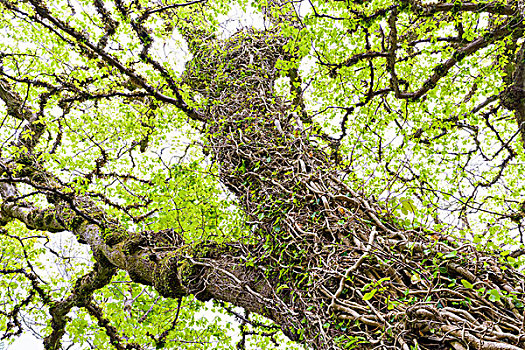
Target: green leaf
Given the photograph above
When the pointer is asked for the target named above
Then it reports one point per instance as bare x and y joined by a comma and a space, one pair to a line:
467, 284
415, 278
281, 287
370, 294
494, 295
450, 255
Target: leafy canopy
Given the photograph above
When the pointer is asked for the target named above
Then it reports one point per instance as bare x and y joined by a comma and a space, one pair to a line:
410, 98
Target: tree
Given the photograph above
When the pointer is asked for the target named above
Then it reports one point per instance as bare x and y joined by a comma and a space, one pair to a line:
353, 172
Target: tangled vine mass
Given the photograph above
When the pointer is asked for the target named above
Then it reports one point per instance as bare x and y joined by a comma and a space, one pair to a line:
338, 256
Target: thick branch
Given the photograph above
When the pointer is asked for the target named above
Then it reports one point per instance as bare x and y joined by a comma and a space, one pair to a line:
513, 97
83, 42
492, 7
442, 69
81, 297
18, 108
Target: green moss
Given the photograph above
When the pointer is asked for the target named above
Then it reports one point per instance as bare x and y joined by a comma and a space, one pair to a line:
113, 236
167, 279
49, 218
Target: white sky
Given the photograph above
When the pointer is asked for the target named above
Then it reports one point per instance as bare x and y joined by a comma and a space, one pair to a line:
25, 342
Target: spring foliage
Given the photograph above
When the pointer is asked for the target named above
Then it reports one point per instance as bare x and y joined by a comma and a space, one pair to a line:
337, 174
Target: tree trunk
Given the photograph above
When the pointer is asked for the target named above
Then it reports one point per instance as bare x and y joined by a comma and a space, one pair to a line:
335, 269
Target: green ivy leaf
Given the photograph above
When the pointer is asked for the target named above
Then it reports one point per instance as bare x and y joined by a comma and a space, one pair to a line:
370, 294
467, 284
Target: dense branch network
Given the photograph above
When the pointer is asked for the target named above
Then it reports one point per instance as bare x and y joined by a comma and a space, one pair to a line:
391, 48
328, 264
336, 245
